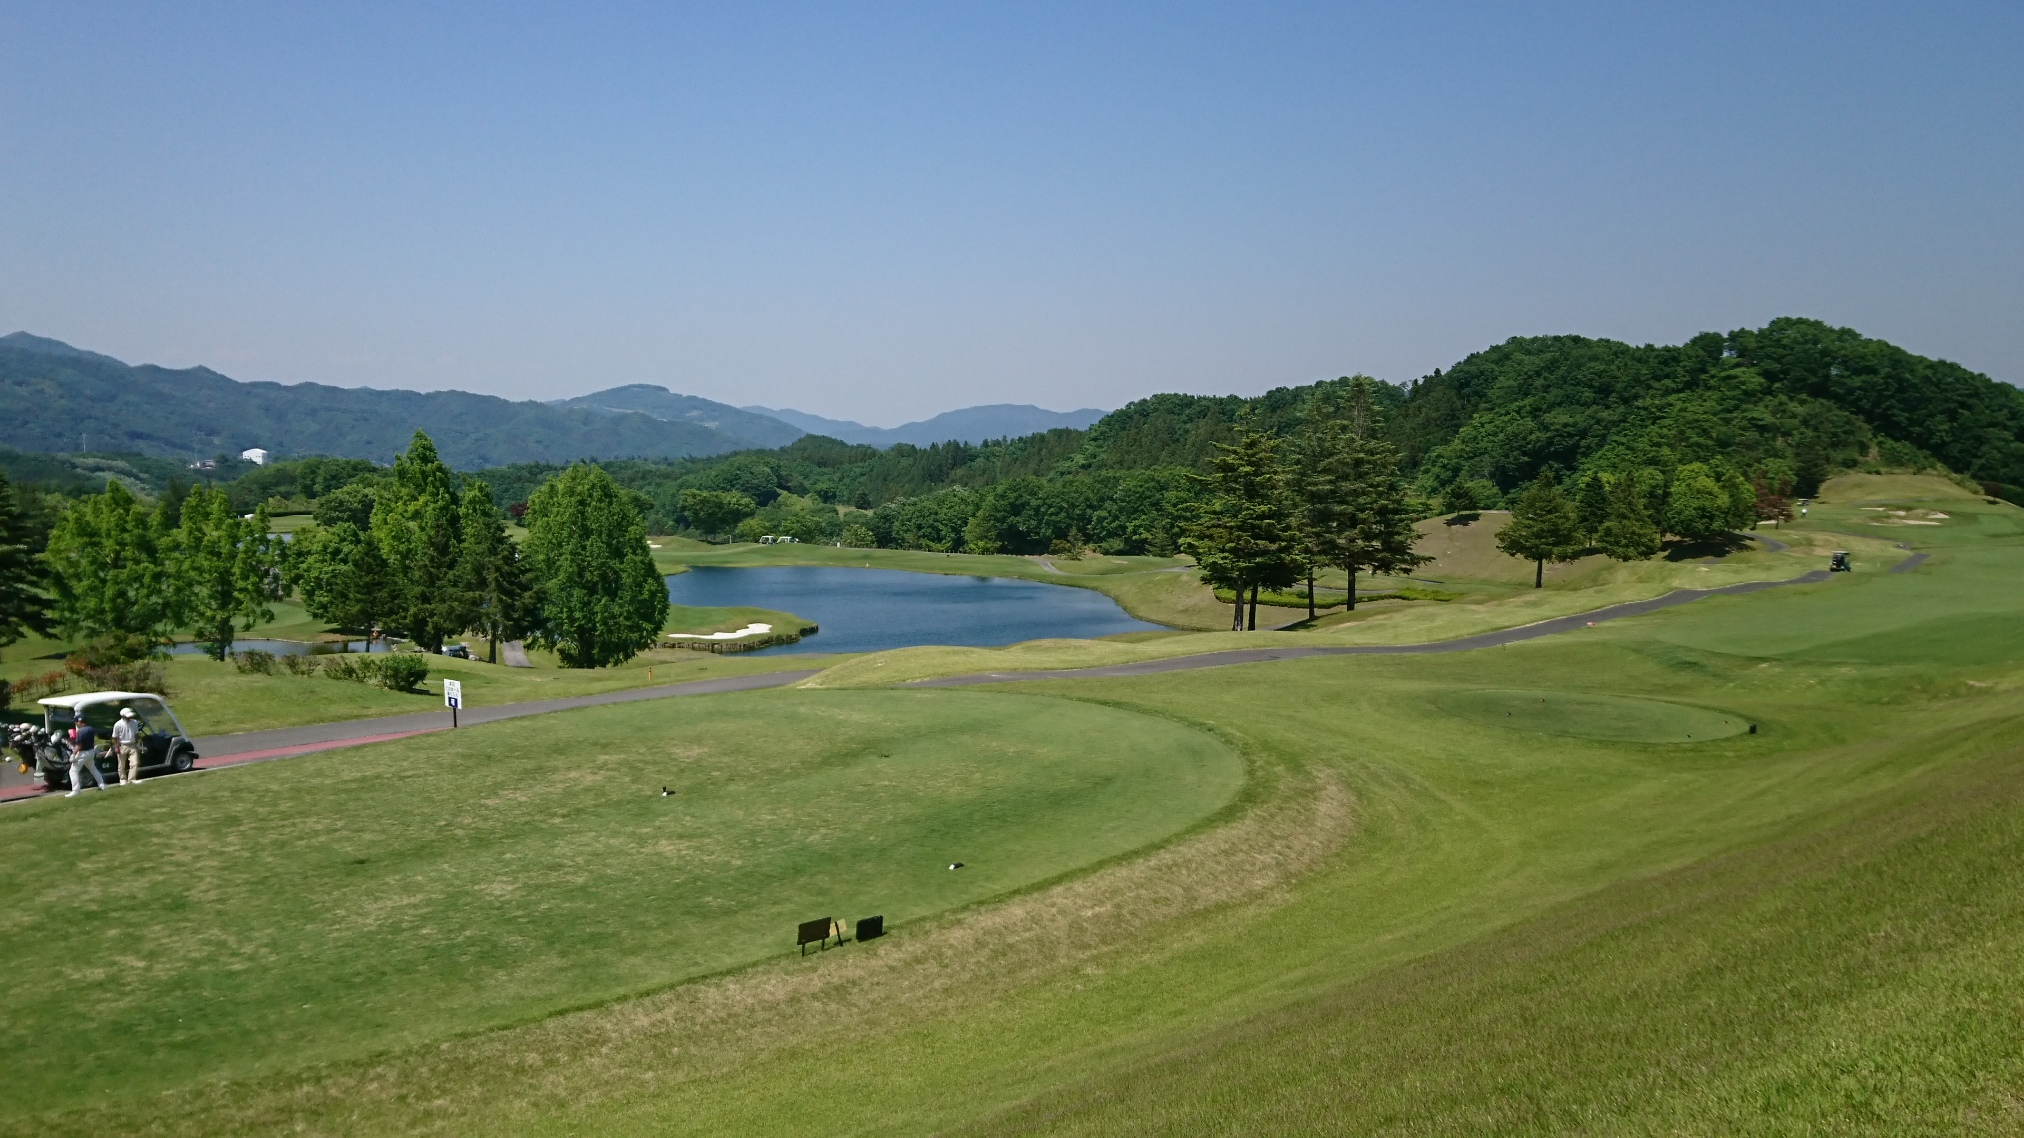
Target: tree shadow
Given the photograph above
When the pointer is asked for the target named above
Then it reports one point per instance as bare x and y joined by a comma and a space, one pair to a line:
1712, 548
1461, 519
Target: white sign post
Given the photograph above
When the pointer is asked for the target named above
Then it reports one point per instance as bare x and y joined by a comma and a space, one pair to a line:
453, 698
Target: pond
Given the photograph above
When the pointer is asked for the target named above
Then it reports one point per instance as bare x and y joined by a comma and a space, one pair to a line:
278, 647
870, 610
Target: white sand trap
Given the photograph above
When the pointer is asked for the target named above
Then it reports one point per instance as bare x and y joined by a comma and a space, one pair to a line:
748, 630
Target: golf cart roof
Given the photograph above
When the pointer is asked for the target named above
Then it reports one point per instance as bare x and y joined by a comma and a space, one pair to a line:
89, 699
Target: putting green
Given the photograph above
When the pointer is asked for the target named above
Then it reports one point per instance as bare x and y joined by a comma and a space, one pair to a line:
328, 906
1611, 717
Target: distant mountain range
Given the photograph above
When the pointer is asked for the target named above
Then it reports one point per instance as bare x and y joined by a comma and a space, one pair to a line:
762, 429
54, 397
970, 424
58, 398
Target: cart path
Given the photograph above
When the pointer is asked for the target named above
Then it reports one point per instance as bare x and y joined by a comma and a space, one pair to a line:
259, 746
1295, 652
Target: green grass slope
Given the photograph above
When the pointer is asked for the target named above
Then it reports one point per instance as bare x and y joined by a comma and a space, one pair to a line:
1418, 916
215, 927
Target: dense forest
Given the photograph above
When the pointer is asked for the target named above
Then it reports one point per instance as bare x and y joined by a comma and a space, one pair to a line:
1783, 407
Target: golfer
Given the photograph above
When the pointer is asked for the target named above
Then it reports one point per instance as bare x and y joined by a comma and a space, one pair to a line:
126, 740
83, 757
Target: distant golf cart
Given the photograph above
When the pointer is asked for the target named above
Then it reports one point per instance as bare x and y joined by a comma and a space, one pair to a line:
165, 747
1839, 562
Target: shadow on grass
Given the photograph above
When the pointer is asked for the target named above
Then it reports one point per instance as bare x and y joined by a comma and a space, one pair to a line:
1682, 549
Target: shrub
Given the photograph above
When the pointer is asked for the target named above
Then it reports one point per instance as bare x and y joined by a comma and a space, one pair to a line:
139, 676
395, 672
31, 688
302, 665
253, 661
401, 671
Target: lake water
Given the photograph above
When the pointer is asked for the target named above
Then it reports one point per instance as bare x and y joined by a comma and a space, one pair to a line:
278, 647
870, 610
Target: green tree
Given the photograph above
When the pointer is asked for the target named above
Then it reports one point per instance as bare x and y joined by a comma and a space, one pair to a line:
1241, 535
108, 576
414, 524
224, 569
1350, 500
1591, 505
857, 536
499, 599
352, 503
342, 578
602, 599
1742, 500
1697, 508
1629, 534
23, 607
715, 512
1542, 527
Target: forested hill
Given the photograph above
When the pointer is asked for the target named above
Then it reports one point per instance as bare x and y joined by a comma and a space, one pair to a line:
1796, 394
57, 398
1788, 403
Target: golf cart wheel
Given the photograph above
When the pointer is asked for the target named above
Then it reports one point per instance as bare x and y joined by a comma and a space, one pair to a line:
181, 761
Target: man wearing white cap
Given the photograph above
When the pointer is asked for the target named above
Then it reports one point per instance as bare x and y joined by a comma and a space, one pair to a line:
126, 739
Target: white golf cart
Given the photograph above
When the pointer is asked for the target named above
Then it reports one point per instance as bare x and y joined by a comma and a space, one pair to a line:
165, 747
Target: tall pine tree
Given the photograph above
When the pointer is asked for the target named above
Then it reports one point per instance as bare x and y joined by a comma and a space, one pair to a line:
1353, 511
1241, 535
1629, 534
499, 599
224, 569
1542, 527
415, 526
23, 608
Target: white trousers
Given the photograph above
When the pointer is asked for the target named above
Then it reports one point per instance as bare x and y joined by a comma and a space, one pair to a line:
78, 765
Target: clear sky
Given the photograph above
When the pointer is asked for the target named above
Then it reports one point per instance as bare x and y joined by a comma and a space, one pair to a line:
883, 211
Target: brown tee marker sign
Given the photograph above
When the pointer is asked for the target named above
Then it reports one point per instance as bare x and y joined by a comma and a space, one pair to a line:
813, 932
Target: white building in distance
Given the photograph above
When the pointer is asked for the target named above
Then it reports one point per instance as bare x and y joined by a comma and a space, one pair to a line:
256, 456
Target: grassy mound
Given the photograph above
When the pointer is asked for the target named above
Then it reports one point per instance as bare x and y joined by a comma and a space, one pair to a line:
1594, 716
330, 906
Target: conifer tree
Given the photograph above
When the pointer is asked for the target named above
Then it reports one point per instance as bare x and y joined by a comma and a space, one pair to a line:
1353, 510
499, 599
1241, 535
223, 568
603, 601
1591, 505
1542, 527
108, 577
414, 525
23, 608
1629, 534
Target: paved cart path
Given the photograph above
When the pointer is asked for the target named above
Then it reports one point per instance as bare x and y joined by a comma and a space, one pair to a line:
257, 746
1299, 652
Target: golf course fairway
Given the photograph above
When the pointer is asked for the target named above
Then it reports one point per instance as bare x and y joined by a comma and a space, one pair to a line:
1352, 894
326, 909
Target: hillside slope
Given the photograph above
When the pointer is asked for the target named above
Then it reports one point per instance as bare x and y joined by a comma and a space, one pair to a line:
56, 398
966, 424
759, 430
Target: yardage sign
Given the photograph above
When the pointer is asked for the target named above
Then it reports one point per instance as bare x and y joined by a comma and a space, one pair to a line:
453, 694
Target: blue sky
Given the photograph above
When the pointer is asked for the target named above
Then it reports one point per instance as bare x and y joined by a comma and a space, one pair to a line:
884, 211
